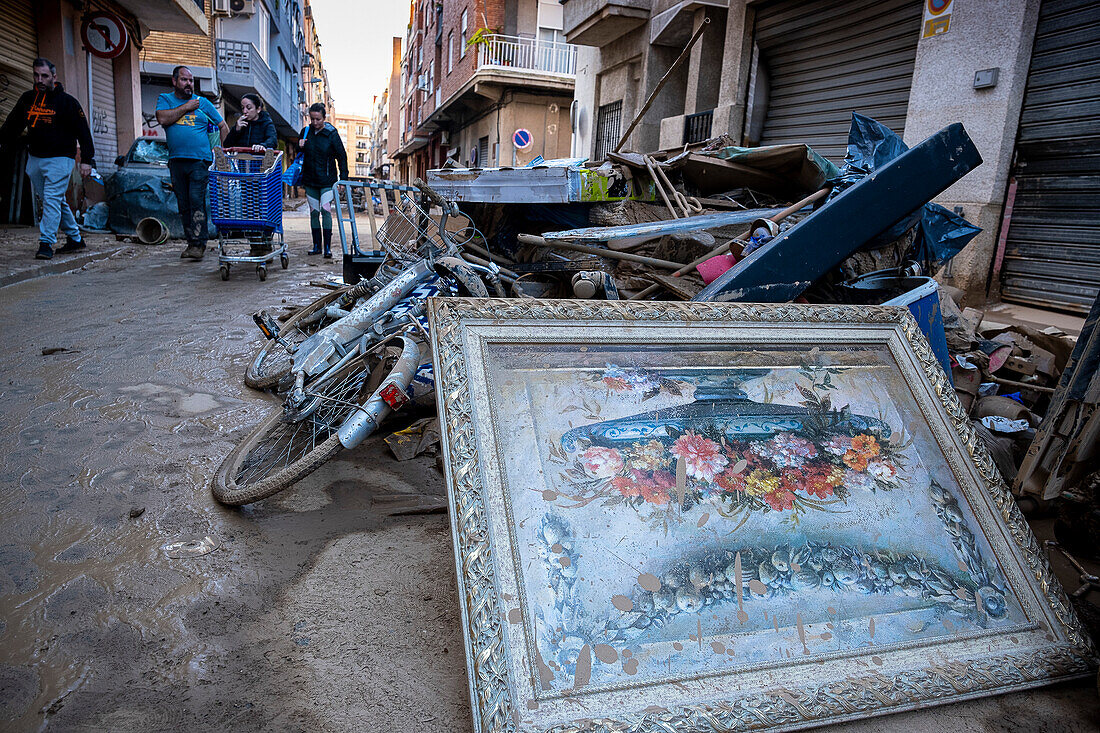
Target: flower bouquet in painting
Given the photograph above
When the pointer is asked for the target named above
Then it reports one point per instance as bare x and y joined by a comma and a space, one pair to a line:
727, 453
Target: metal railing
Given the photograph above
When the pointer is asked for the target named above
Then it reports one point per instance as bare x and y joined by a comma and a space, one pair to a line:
243, 58
697, 127
528, 54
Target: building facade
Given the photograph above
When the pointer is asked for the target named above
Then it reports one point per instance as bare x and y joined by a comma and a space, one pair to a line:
478, 78
108, 89
380, 162
258, 48
314, 77
355, 131
778, 71
395, 106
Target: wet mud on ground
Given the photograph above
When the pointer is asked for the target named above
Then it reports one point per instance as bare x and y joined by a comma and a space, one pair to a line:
318, 609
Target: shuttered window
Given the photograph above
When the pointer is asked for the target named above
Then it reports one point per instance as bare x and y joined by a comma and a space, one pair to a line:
1052, 247
608, 121
825, 60
102, 118
17, 52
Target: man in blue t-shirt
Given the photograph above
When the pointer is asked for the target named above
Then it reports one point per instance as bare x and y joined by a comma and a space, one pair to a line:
185, 118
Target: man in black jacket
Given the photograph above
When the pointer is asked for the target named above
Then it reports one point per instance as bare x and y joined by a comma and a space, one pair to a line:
324, 157
55, 123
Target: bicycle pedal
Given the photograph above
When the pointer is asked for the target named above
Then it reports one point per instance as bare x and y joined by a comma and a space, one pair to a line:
266, 324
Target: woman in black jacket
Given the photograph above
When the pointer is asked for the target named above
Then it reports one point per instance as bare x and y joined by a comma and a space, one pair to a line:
254, 128
324, 156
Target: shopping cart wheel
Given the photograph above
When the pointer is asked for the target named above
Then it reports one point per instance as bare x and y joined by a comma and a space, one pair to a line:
284, 261
262, 272
224, 269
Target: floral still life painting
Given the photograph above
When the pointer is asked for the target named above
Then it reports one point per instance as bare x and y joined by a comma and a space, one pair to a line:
736, 528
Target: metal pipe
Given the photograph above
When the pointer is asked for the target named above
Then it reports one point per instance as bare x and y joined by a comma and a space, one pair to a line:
366, 419
508, 274
721, 249
664, 79
641, 259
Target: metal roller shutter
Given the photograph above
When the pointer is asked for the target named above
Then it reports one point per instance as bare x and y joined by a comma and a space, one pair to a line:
103, 122
17, 52
829, 59
1052, 246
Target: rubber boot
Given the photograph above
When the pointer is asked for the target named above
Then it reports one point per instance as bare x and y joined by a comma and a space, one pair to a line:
328, 243
316, 242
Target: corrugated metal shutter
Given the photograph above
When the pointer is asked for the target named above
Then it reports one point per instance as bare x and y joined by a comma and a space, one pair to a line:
17, 52
103, 121
826, 60
1052, 251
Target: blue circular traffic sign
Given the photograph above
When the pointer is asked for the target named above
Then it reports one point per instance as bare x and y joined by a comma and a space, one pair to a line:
521, 139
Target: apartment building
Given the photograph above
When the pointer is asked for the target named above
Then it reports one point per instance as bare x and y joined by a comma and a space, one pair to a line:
315, 83
355, 131
258, 48
165, 50
1021, 75
474, 74
380, 162
96, 47
395, 106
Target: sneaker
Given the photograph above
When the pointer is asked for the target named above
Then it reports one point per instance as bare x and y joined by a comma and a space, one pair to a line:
193, 252
72, 245
45, 252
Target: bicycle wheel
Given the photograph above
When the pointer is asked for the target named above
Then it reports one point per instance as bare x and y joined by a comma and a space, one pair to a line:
272, 362
283, 449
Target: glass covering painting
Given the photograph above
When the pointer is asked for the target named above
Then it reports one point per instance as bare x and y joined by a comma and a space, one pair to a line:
717, 517
682, 514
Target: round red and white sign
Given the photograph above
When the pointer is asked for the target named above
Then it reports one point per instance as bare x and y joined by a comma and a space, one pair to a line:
103, 34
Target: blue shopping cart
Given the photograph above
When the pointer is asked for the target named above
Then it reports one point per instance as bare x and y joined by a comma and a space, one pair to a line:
246, 207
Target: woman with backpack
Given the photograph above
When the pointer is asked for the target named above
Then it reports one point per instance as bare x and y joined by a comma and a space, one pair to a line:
323, 156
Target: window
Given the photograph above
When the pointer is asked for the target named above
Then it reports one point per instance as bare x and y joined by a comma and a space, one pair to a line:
607, 128
450, 51
483, 152
462, 36
419, 57
265, 31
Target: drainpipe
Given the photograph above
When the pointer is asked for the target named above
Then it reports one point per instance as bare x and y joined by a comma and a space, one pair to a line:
88, 57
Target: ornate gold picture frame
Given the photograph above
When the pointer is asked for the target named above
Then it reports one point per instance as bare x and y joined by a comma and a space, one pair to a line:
715, 517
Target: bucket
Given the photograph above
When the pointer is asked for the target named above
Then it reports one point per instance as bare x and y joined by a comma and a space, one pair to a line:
921, 295
151, 230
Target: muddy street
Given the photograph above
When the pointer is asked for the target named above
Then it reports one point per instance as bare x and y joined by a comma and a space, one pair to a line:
316, 609
131, 601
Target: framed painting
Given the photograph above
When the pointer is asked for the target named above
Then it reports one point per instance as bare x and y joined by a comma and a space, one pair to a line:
716, 517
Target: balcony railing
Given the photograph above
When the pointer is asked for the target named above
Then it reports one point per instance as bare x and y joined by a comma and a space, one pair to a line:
527, 54
243, 59
697, 127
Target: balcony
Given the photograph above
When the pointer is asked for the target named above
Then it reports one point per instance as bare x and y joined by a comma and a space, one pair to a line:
180, 16
241, 69
526, 55
599, 22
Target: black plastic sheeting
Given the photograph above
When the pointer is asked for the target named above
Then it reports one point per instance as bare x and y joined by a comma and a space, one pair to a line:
140, 191
941, 232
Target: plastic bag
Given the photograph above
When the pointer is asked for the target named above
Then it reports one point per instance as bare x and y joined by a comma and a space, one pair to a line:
941, 233
293, 173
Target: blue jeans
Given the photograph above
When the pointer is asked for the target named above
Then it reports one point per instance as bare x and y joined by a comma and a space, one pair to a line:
50, 180
189, 180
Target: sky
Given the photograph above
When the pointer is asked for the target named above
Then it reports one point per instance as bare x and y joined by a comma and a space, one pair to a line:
356, 48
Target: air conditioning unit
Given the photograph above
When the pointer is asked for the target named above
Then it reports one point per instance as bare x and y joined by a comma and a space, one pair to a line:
242, 7
221, 6
422, 83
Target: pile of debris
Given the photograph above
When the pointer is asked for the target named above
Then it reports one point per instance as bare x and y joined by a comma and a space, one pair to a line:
719, 222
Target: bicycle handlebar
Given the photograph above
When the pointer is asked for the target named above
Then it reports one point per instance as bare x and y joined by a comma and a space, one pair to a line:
434, 196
